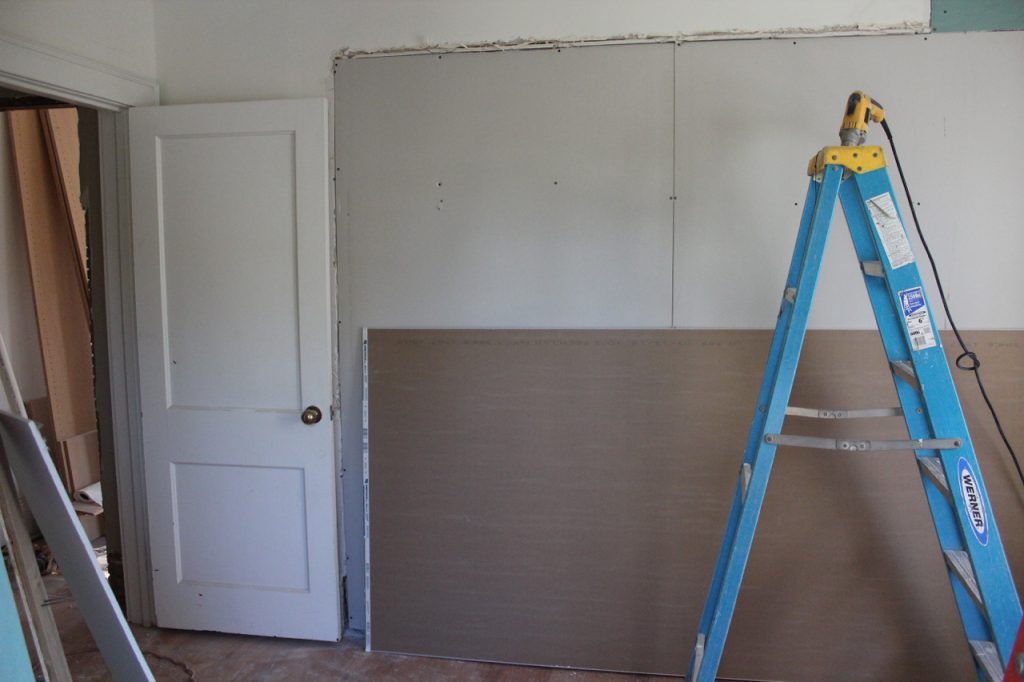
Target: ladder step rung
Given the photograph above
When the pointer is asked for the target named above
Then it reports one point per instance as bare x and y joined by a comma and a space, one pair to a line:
872, 268
988, 659
960, 563
822, 413
904, 369
861, 445
698, 654
932, 468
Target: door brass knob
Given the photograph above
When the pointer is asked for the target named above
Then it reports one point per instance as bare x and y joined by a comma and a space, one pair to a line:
312, 415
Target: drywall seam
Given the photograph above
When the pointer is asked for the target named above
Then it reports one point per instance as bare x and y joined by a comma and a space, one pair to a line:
531, 43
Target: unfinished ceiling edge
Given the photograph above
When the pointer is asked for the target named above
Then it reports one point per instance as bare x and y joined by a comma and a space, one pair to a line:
531, 43
42, 70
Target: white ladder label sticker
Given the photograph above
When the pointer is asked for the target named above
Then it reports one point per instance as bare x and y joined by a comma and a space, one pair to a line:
890, 229
919, 322
974, 505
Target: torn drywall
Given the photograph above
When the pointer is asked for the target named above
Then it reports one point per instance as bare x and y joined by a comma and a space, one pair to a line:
533, 43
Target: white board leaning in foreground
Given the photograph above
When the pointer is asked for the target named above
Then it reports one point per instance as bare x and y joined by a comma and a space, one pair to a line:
26, 453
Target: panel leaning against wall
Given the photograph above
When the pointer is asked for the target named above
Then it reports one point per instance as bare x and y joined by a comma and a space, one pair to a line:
558, 498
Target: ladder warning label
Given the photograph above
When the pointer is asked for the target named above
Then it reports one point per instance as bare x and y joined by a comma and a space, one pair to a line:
890, 229
974, 505
919, 322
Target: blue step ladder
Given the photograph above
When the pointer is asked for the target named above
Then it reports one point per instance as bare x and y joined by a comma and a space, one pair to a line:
982, 584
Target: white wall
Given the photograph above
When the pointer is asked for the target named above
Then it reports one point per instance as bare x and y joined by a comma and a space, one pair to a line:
114, 33
749, 115
261, 49
111, 35
17, 311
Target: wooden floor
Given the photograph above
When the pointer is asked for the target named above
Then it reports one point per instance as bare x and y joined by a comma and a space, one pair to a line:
175, 655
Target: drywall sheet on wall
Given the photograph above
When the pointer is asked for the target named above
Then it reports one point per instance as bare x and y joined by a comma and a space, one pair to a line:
977, 15
448, 214
491, 188
558, 498
749, 114
528, 189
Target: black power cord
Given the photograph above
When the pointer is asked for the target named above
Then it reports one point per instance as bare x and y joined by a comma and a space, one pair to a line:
967, 360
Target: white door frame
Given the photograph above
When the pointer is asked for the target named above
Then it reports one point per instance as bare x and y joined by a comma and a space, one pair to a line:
42, 70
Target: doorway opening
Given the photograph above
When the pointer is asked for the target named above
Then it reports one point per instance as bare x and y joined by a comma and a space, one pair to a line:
52, 317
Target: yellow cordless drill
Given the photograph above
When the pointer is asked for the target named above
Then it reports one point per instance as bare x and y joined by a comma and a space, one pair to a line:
860, 110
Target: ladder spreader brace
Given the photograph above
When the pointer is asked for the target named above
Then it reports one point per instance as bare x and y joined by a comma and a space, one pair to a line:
983, 587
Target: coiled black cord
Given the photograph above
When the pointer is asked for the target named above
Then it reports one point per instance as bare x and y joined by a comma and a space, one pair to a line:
967, 360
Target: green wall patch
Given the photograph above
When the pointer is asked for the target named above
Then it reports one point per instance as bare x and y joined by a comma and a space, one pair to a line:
977, 15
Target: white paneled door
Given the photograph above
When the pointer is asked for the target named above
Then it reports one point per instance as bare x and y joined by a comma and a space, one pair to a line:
232, 288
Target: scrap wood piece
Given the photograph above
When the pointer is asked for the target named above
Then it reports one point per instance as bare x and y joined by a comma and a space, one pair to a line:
82, 454
78, 458
38, 410
60, 128
25, 451
61, 312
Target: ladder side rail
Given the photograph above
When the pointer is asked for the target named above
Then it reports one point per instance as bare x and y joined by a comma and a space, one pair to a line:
782, 324
890, 324
780, 384
757, 427
945, 414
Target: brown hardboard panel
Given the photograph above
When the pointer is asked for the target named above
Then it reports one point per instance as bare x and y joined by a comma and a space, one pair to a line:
38, 410
61, 309
60, 128
77, 459
92, 524
83, 456
558, 498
